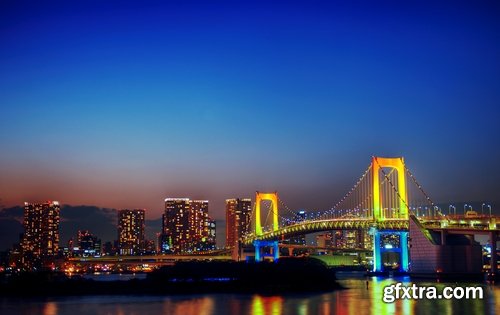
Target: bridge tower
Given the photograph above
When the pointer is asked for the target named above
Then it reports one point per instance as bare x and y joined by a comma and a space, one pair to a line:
379, 248
259, 197
258, 244
397, 163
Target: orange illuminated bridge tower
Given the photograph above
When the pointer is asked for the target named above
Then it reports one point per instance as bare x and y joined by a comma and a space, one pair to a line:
378, 164
259, 197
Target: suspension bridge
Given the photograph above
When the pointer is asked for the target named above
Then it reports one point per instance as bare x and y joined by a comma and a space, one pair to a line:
384, 203
380, 203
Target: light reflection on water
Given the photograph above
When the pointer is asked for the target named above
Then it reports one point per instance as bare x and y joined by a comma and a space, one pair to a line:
358, 299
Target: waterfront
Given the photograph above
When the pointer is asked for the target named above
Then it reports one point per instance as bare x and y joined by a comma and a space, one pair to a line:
356, 299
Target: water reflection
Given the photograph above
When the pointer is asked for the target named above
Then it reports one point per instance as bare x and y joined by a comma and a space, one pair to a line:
50, 308
358, 299
201, 306
267, 305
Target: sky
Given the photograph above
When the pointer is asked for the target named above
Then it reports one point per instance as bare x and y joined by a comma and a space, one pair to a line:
122, 104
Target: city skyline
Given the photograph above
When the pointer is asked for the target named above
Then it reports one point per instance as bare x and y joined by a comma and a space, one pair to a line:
123, 106
255, 157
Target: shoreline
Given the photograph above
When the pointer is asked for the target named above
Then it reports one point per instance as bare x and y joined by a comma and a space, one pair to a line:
285, 276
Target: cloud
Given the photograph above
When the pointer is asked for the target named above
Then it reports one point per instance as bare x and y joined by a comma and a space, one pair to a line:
101, 222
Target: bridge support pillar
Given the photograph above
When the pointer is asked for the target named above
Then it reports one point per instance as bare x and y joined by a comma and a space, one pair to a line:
259, 256
404, 251
493, 260
377, 254
444, 233
380, 247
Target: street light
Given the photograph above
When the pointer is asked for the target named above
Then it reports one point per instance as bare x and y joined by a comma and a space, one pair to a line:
482, 207
436, 210
465, 206
454, 209
489, 206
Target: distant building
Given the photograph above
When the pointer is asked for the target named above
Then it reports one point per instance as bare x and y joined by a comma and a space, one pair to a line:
350, 239
176, 232
212, 233
88, 244
131, 226
238, 215
40, 241
323, 240
186, 226
198, 223
149, 247
164, 243
109, 249
299, 239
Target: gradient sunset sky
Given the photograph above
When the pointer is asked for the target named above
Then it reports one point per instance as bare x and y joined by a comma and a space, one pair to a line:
123, 104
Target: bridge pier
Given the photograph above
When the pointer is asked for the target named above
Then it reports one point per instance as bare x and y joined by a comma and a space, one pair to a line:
444, 233
258, 244
493, 260
379, 249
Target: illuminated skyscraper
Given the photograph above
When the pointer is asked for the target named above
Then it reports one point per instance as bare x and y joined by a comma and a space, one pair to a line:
41, 231
186, 226
176, 232
198, 221
238, 213
131, 225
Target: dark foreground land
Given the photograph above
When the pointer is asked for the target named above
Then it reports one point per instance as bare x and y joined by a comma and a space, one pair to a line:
288, 275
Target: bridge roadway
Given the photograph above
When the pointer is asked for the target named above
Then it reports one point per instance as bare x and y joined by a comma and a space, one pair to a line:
452, 222
146, 259
171, 259
314, 226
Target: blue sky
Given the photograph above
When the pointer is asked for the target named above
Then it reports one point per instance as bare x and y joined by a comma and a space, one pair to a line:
123, 104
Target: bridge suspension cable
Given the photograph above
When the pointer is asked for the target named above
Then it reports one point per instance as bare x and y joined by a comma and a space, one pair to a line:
347, 201
358, 201
419, 186
395, 203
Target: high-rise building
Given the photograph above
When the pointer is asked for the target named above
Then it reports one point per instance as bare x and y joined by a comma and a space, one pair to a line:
238, 213
131, 226
198, 222
176, 225
186, 226
41, 231
212, 234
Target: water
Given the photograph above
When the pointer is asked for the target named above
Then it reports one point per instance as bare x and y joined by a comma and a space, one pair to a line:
115, 276
357, 299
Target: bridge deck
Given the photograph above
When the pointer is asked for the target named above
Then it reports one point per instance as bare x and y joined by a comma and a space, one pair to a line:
479, 223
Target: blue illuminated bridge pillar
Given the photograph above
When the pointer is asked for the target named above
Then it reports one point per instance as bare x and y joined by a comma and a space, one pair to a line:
258, 244
381, 246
